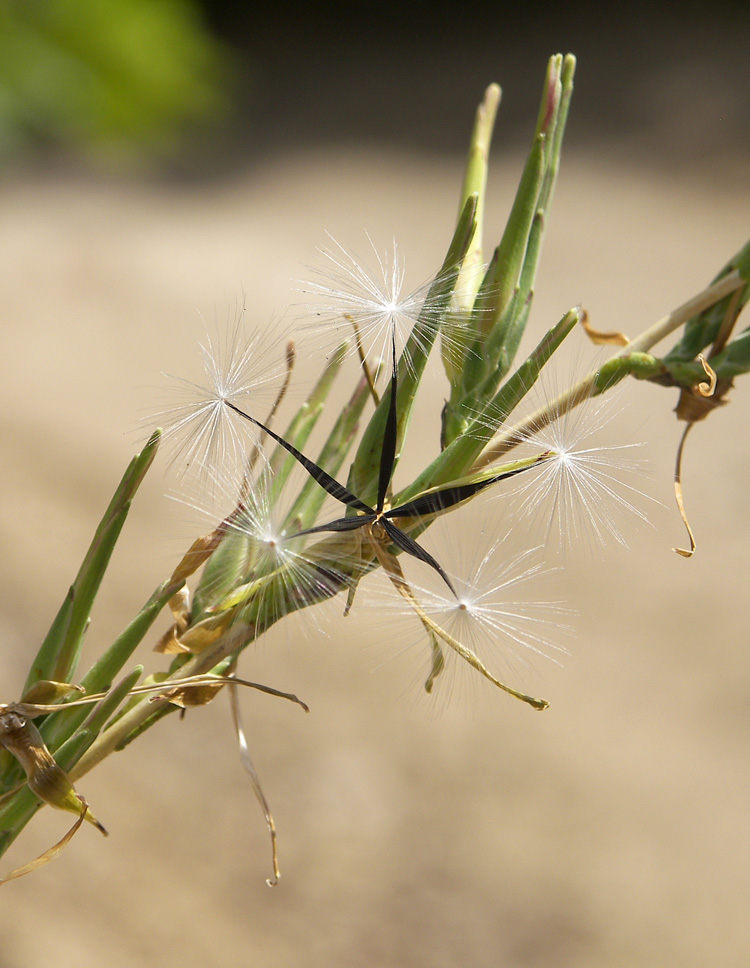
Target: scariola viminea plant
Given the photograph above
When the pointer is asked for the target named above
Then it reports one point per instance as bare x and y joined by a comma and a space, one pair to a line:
302, 529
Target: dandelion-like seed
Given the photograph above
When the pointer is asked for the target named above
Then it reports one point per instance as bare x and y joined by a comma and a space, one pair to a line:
259, 568
372, 306
588, 485
496, 619
284, 576
205, 431
489, 599
497, 614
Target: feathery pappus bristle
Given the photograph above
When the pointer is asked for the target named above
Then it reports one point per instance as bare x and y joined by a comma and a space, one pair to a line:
245, 370
499, 612
371, 307
590, 490
260, 565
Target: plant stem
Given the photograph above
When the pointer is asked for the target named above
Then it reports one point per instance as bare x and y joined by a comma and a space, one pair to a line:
582, 390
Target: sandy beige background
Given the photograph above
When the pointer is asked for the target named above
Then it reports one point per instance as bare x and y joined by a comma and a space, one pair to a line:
610, 831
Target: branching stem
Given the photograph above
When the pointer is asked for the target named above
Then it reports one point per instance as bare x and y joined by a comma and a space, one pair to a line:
508, 439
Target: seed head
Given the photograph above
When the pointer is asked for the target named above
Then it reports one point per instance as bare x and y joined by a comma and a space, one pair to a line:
590, 487
371, 306
240, 369
498, 612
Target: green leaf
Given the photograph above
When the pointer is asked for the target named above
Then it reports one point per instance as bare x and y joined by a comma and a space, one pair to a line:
70, 752
59, 653
103, 672
702, 329
456, 460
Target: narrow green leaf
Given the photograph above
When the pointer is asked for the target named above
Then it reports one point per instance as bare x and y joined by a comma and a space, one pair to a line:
59, 653
456, 460
70, 752
502, 277
475, 183
504, 300
490, 322
702, 329
103, 672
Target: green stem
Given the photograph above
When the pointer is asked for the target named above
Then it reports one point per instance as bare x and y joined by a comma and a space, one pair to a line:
582, 390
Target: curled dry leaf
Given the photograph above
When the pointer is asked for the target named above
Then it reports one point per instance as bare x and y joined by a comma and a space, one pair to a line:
706, 389
600, 338
52, 852
47, 691
694, 404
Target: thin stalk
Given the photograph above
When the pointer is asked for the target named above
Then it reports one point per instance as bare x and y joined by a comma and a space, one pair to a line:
583, 390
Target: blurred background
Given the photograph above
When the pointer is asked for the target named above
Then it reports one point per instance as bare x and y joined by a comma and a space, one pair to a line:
161, 162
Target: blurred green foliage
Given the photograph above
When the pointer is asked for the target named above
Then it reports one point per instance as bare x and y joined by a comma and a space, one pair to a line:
112, 79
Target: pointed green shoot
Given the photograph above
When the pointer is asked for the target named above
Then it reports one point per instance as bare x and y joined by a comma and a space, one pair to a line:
62, 725
475, 183
456, 460
504, 299
58, 656
703, 328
